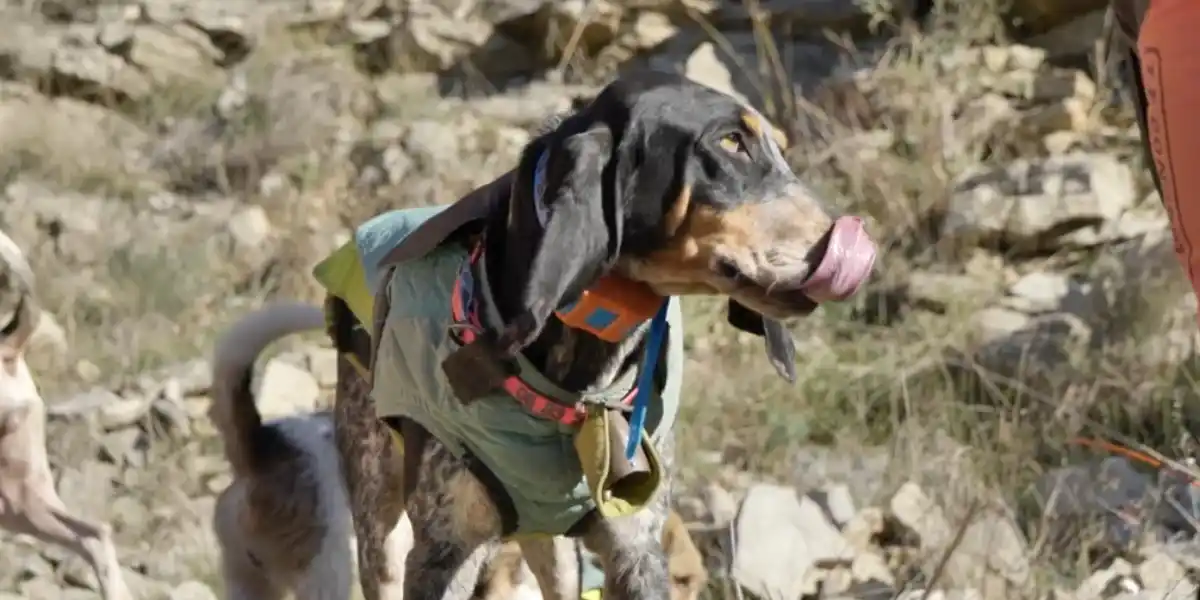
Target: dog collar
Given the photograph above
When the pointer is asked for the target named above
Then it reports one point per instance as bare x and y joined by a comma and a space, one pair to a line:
610, 310
464, 312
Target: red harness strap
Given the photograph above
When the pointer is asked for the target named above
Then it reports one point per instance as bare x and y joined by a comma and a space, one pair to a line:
464, 310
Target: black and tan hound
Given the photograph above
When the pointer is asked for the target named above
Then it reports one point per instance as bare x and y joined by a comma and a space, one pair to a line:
658, 180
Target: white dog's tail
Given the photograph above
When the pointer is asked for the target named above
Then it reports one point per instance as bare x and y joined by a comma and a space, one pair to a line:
249, 446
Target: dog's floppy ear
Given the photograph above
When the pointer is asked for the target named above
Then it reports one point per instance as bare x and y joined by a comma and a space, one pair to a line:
581, 230
781, 349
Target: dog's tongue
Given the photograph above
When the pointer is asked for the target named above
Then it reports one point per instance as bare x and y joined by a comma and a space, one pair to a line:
846, 264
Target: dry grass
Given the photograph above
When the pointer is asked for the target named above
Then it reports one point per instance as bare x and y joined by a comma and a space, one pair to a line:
865, 384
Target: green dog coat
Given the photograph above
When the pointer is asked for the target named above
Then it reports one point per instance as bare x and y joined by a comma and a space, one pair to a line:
550, 471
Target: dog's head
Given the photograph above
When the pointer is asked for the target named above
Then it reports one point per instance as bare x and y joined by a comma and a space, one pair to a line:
18, 319
684, 561
674, 184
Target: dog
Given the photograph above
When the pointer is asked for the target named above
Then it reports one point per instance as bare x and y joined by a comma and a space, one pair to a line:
29, 503
283, 522
503, 577
659, 182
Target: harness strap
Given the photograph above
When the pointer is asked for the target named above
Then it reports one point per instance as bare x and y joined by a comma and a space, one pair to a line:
413, 434
467, 323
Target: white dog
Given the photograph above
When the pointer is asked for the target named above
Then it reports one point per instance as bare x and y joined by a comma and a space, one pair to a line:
29, 503
283, 523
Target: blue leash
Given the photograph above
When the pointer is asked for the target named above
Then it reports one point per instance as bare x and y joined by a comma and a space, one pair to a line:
637, 421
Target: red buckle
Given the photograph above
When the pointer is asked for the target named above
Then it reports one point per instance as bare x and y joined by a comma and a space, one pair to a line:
536, 403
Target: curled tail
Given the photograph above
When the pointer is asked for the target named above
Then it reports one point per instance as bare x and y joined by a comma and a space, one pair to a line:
249, 445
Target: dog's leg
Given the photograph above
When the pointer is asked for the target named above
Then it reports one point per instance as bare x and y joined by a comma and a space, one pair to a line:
330, 576
452, 516
36, 508
630, 548
246, 581
374, 473
555, 564
396, 549
92, 541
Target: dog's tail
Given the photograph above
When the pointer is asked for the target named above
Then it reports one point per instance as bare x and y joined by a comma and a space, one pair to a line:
249, 446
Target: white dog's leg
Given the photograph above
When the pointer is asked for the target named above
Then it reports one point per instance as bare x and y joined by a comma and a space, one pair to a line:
398, 544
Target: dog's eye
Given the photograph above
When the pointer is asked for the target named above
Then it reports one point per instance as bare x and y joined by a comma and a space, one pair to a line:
733, 143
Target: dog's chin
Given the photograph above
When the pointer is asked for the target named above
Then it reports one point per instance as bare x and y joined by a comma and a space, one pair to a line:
778, 306
775, 304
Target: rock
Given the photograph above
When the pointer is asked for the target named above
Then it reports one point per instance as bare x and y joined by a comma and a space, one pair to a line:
88, 487
991, 554
781, 539
192, 590
316, 100
432, 142
651, 29
861, 530
965, 594
722, 506
1036, 16
1184, 590
814, 14
1161, 572
1042, 292
1111, 490
122, 447
322, 363
251, 232
983, 119
43, 588
1060, 84
286, 390
49, 336
170, 55
863, 470
123, 412
917, 512
998, 323
75, 139
921, 594
944, 290
68, 57
707, 67
870, 567
1073, 39
723, 66
1034, 203
837, 502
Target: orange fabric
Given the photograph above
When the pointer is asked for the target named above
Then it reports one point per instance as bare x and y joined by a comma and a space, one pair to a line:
1169, 51
630, 302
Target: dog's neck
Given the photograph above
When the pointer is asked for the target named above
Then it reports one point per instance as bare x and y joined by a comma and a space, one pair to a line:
576, 360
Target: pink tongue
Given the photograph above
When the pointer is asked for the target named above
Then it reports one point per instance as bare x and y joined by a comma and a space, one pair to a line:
846, 263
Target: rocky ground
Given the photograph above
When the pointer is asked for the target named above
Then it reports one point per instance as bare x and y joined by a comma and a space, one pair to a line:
168, 165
